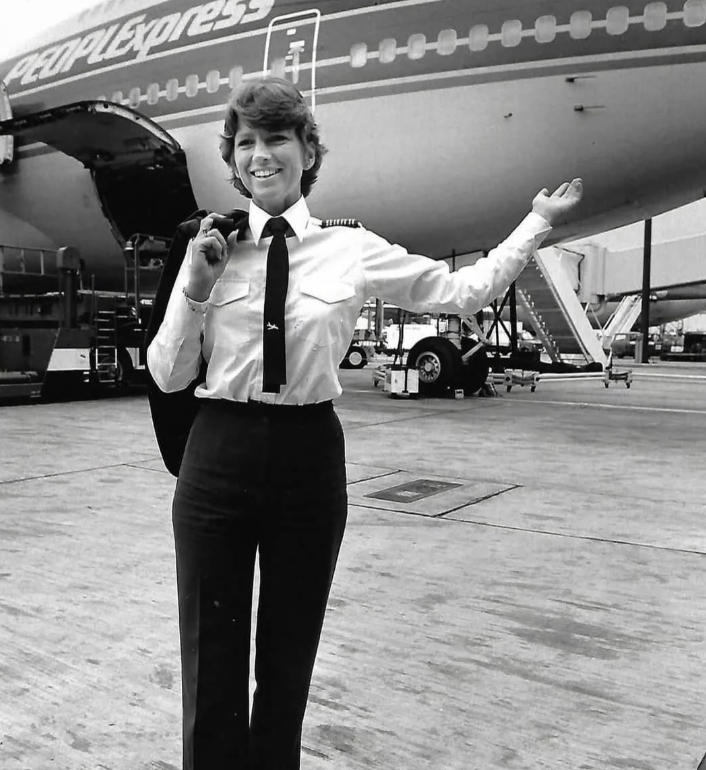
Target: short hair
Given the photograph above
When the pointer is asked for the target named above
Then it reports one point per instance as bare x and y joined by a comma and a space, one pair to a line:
273, 104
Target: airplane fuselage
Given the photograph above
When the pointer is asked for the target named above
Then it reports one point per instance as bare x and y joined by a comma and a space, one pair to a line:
443, 118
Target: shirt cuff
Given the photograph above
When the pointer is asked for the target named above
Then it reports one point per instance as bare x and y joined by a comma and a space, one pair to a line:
537, 225
193, 305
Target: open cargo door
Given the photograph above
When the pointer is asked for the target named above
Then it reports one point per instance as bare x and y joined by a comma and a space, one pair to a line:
139, 170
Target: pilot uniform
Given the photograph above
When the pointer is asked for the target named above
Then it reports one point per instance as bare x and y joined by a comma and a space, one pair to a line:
266, 471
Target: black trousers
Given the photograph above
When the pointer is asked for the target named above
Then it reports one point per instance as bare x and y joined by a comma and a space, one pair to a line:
267, 478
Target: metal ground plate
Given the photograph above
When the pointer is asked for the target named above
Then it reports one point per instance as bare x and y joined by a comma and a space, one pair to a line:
421, 493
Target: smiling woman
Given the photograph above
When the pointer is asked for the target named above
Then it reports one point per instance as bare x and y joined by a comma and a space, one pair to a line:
270, 302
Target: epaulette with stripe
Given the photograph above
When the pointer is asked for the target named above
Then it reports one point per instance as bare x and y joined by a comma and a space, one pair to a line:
341, 223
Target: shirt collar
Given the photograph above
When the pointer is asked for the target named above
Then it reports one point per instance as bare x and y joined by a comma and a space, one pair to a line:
296, 215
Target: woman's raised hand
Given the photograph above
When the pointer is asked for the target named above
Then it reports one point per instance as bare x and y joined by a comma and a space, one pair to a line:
555, 207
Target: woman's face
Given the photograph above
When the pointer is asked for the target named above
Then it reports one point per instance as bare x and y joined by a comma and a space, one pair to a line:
270, 165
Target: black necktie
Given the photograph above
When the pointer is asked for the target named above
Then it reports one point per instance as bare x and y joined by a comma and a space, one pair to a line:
274, 355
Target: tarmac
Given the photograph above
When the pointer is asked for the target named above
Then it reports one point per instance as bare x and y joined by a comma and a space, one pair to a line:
547, 609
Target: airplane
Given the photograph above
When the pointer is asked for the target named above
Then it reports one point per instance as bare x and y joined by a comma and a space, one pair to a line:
443, 117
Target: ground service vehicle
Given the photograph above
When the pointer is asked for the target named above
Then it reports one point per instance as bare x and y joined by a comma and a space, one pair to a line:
59, 333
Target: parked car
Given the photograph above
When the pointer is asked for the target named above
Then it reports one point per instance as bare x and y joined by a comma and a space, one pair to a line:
623, 346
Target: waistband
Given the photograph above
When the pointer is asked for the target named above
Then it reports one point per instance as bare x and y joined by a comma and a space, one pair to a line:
262, 407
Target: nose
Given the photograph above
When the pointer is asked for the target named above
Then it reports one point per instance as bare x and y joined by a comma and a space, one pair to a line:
261, 151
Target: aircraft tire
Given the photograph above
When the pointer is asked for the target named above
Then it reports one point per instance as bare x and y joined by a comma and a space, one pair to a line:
439, 364
356, 357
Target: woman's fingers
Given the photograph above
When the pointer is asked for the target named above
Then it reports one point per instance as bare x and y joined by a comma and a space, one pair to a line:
210, 241
576, 187
218, 237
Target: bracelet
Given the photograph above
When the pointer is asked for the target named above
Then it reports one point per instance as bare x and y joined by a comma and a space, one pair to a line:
193, 305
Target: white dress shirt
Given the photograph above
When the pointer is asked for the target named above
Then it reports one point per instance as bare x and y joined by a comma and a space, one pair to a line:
332, 272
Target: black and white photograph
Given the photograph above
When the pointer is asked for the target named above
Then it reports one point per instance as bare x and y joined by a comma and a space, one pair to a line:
352, 385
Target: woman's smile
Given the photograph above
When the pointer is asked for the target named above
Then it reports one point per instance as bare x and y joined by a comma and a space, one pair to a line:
265, 173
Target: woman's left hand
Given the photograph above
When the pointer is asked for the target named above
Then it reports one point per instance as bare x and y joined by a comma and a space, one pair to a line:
555, 207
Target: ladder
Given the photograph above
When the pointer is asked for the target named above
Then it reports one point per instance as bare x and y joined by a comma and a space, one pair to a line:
549, 301
105, 351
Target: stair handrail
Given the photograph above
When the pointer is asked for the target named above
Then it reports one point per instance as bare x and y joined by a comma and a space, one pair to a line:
565, 296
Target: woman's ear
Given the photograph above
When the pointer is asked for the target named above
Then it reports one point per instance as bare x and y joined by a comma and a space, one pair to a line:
310, 158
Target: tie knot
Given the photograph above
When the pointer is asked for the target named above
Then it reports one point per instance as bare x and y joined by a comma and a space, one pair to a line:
277, 225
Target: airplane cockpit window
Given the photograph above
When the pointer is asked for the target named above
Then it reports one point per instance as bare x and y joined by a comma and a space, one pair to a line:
545, 29
388, 50
511, 33
695, 13
478, 37
580, 25
417, 46
446, 43
617, 20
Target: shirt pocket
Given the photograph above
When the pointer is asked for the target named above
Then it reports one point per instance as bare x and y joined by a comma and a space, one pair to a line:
324, 311
228, 310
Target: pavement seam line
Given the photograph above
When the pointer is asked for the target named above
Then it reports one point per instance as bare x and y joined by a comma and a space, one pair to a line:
404, 418
72, 472
634, 408
373, 478
591, 538
144, 468
482, 499
490, 525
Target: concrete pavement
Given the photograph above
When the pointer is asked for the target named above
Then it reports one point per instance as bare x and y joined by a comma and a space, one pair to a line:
547, 610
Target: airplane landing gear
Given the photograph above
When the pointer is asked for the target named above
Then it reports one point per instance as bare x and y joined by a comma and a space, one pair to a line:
442, 368
438, 362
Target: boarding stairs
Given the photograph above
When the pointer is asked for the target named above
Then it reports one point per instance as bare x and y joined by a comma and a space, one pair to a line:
546, 294
623, 319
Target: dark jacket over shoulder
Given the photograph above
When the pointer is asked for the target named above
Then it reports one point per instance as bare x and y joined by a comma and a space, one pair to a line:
173, 413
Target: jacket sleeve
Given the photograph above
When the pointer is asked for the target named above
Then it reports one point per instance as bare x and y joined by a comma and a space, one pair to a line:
421, 284
174, 354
